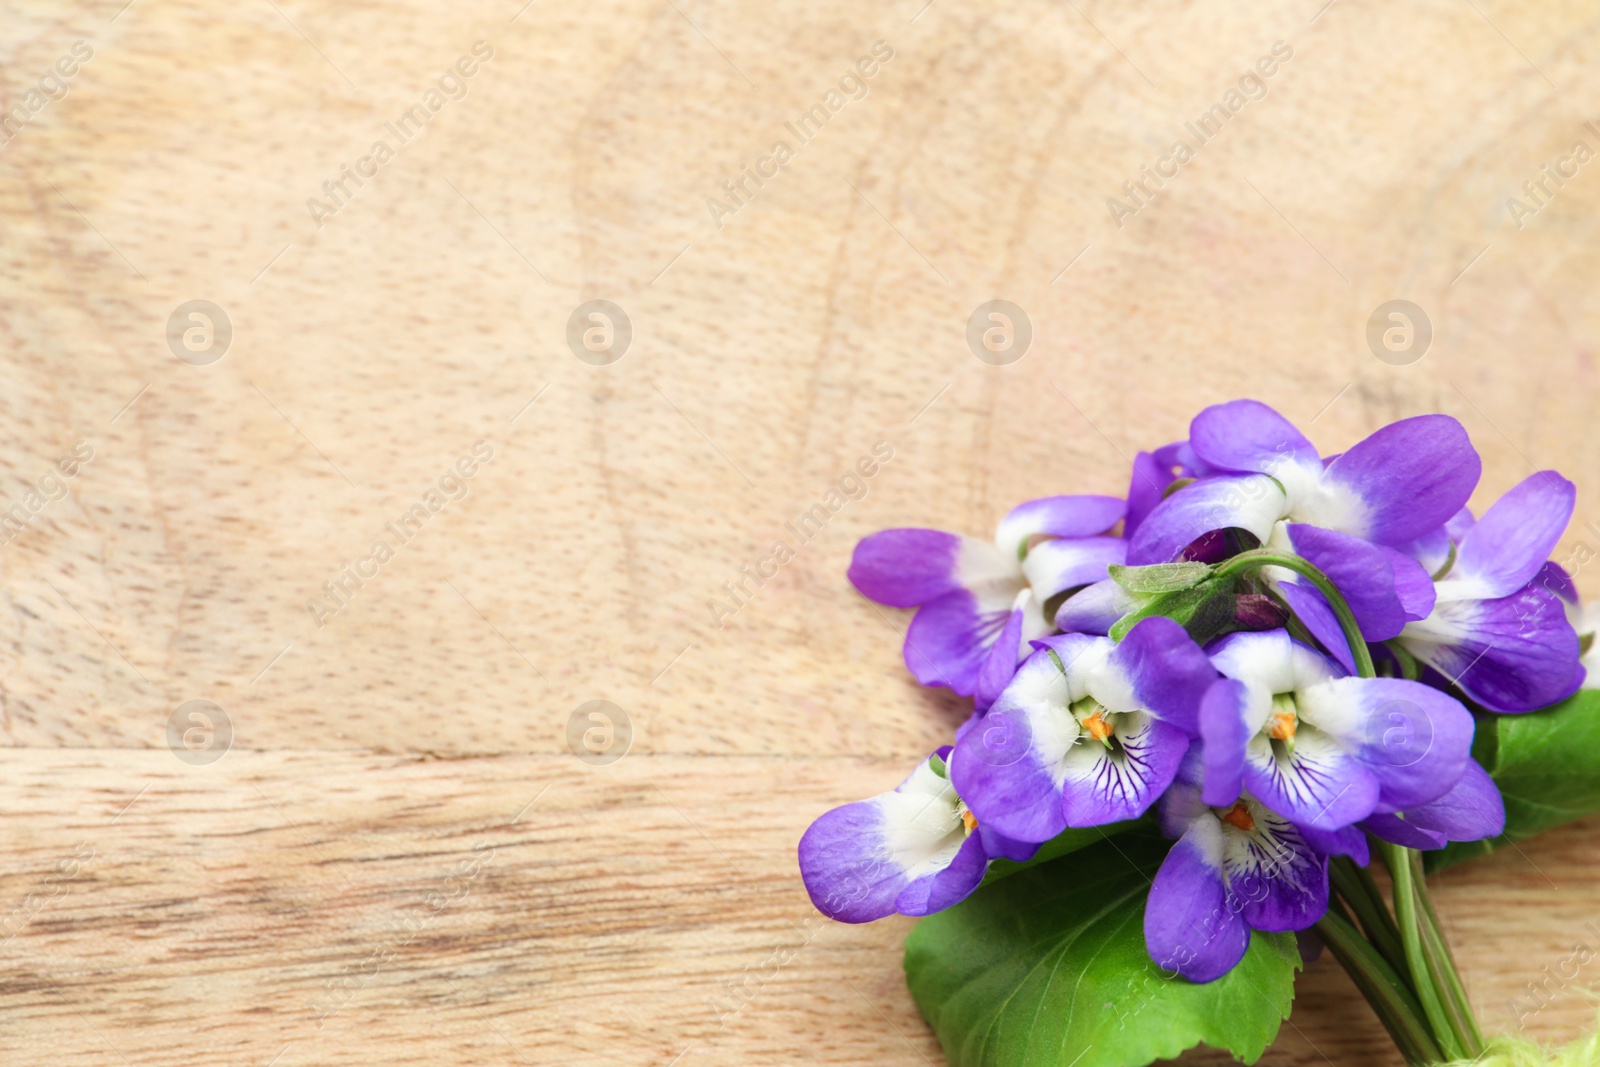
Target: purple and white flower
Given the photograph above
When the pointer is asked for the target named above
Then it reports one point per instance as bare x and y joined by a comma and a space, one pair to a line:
1392, 488
979, 603
1234, 869
1584, 617
1495, 631
1089, 732
1323, 748
916, 850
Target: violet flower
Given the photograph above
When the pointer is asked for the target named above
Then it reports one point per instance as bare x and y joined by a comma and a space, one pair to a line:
980, 603
1088, 732
1390, 489
1494, 630
1350, 516
1323, 748
1234, 869
916, 850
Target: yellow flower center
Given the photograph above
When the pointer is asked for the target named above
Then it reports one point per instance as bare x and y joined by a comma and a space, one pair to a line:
1239, 815
1098, 727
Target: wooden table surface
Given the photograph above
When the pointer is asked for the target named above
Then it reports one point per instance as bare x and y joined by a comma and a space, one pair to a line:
399, 856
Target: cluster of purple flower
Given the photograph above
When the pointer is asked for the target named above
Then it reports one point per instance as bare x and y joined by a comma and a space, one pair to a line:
1265, 748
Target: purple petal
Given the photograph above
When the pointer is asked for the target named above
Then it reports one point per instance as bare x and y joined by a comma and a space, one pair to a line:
1506, 548
1211, 548
1001, 663
1157, 668
1069, 562
1095, 609
1281, 882
1413, 584
1382, 599
1077, 652
1518, 653
1247, 435
1006, 766
1554, 577
905, 568
1248, 501
950, 638
1398, 831
1431, 550
1180, 456
899, 850
1319, 784
1365, 574
1472, 811
998, 846
1401, 482
1312, 609
1459, 524
1189, 926
843, 859
1182, 803
1414, 739
1228, 720
1145, 488
1103, 786
1347, 841
951, 885
1057, 516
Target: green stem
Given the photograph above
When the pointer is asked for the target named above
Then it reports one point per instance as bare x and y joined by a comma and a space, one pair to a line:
1466, 1022
1266, 557
1355, 884
1409, 668
1386, 991
1425, 975
1430, 1018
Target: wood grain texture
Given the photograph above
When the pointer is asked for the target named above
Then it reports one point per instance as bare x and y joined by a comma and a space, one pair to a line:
374, 748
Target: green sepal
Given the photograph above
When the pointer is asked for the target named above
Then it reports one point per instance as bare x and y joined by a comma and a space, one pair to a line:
1204, 610
1159, 577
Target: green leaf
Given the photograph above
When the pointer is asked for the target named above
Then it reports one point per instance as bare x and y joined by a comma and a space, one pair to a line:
1547, 765
1159, 577
1048, 969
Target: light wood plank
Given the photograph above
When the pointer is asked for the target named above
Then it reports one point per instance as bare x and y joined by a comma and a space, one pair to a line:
769, 355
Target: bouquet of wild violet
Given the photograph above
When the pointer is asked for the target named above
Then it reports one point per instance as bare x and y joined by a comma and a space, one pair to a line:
1202, 714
